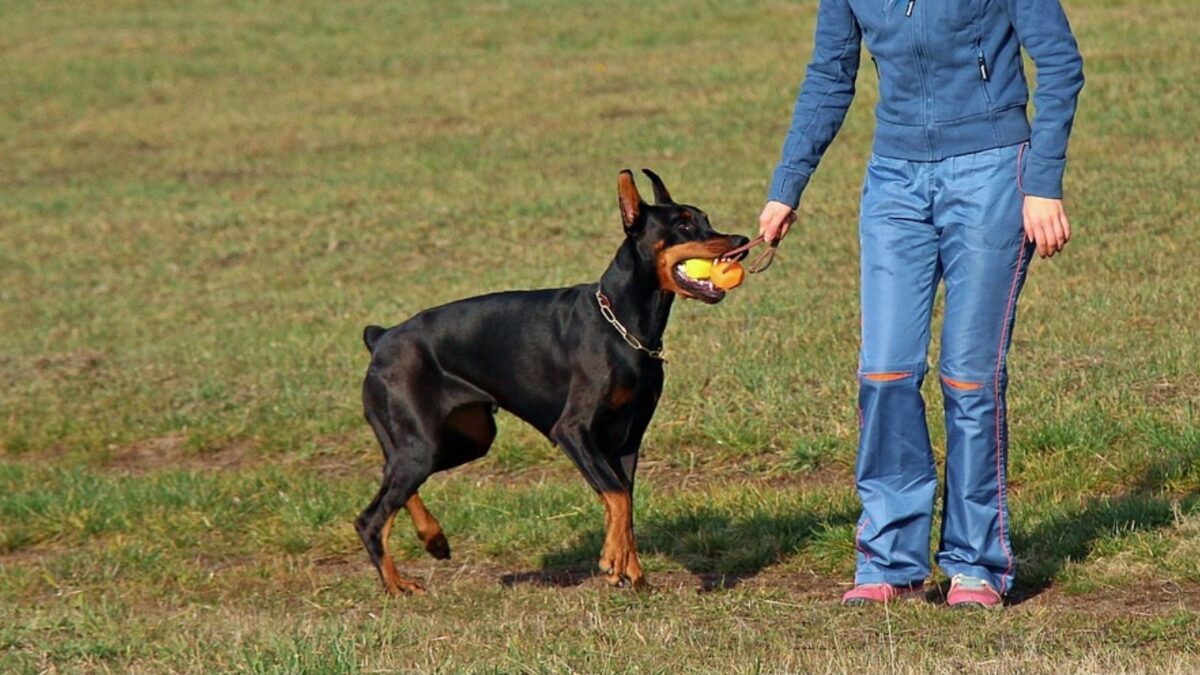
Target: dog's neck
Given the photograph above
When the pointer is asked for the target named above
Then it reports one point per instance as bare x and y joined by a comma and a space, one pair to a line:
631, 284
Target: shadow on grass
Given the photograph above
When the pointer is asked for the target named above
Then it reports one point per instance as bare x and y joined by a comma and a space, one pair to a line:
720, 546
723, 546
1152, 502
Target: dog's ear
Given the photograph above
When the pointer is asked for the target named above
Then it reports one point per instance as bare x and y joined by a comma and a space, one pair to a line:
661, 196
630, 201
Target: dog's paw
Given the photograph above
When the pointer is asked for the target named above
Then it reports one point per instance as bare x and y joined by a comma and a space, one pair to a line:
637, 583
407, 588
395, 584
438, 546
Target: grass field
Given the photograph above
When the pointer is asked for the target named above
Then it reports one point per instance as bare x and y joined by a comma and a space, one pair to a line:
202, 203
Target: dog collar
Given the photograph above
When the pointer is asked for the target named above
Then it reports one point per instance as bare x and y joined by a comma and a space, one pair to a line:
607, 312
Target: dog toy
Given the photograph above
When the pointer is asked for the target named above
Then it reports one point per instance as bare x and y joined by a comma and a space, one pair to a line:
697, 268
727, 275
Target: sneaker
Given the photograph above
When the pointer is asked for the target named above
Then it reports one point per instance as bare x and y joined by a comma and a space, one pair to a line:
871, 594
972, 592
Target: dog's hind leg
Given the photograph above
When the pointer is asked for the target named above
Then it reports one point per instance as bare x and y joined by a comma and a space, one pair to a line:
429, 530
374, 526
466, 435
409, 463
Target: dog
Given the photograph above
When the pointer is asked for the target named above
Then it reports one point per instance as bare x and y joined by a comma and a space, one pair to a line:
583, 365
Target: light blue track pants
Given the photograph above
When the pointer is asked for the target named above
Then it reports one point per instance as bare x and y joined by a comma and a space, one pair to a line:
958, 219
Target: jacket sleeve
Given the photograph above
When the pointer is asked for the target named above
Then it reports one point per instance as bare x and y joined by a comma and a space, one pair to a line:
824, 97
1042, 28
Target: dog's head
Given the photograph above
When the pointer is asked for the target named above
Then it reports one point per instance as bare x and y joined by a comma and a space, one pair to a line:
668, 234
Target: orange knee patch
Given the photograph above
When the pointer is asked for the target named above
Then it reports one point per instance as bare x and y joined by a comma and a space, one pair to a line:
960, 385
885, 377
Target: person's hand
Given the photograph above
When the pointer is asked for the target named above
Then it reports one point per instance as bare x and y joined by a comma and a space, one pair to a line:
1046, 224
775, 221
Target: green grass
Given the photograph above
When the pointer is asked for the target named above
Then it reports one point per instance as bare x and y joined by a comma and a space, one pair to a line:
201, 204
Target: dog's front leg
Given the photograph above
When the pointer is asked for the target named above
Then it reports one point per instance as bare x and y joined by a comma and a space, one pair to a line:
618, 558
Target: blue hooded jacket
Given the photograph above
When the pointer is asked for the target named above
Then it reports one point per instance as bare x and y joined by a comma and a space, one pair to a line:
951, 82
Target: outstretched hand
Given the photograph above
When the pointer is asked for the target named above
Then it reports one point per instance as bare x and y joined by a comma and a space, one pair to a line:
775, 221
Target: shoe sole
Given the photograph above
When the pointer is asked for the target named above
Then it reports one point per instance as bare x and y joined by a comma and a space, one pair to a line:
969, 605
909, 596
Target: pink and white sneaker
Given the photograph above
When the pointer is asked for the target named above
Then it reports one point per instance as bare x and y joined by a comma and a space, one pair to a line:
972, 592
877, 594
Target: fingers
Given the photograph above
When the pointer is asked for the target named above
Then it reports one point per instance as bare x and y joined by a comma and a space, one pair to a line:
1036, 230
768, 225
784, 228
775, 221
1030, 235
1059, 231
1046, 240
1046, 225
769, 231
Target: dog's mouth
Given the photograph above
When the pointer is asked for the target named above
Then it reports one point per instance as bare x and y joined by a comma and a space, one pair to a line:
683, 269
699, 286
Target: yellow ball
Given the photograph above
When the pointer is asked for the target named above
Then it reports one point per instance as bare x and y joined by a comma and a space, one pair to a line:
698, 268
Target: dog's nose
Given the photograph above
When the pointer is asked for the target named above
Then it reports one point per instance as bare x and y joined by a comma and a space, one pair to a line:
739, 240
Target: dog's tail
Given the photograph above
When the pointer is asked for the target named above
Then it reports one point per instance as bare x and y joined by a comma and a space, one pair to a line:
371, 335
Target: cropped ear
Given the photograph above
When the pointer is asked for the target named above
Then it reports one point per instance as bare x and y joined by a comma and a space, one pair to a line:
630, 201
661, 196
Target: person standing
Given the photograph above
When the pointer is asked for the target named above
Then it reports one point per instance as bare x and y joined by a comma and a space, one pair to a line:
960, 188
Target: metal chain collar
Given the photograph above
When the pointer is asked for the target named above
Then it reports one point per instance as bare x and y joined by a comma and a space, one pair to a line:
606, 311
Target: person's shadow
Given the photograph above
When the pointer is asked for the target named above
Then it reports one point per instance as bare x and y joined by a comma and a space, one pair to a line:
720, 545
725, 545
1149, 502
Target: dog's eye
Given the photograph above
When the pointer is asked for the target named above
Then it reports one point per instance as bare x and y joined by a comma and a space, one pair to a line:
684, 225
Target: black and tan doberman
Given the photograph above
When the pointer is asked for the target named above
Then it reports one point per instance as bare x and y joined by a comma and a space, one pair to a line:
581, 364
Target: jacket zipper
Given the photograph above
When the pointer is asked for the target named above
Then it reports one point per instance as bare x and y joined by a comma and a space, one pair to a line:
983, 71
918, 37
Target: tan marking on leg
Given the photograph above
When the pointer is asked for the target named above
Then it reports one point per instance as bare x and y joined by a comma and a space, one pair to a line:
619, 543
393, 582
886, 377
607, 563
960, 385
429, 530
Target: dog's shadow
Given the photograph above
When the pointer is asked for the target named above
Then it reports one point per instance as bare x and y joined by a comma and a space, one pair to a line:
720, 546
724, 545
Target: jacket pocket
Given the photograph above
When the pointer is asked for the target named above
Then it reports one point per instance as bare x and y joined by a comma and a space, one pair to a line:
1021, 151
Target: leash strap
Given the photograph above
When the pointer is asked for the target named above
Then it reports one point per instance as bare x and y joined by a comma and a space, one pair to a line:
764, 259
607, 312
